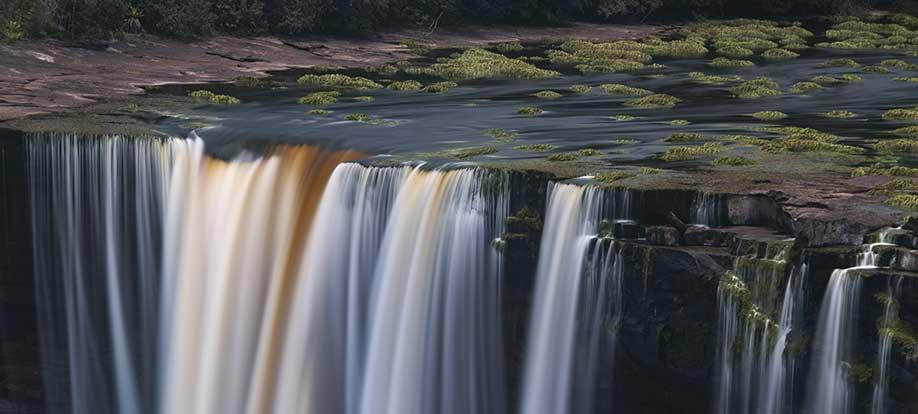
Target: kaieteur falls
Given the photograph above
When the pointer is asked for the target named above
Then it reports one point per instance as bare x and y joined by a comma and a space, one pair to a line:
715, 217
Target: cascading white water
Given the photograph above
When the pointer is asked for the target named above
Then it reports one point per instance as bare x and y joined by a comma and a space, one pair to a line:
880, 401
247, 286
577, 297
705, 209
829, 391
754, 381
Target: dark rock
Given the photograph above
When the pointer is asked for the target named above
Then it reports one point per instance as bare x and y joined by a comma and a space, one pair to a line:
911, 224
663, 235
757, 210
627, 230
704, 236
676, 222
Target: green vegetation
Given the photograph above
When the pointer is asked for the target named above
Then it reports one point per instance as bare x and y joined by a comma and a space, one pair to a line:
701, 77
660, 100
214, 98
318, 111
901, 334
769, 115
755, 88
581, 88
684, 137
500, 134
778, 53
859, 372
417, 48
650, 170
895, 186
911, 130
385, 70
733, 161
247, 81
622, 118
465, 153
804, 87
535, 147
895, 171
895, 146
407, 85
563, 156
440, 87
480, 63
624, 141
899, 64
547, 95
688, 153
838, 114
364, 98
724, 63
875, 69
337, 80
589, 152
319, 98
840, 63
612, 176
679, 122
910, 79
734, 51
357, 117
529, 111
618, 89
901, 114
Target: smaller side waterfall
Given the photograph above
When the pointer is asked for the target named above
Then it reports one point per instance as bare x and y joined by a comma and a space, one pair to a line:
752, 365
829, 391
706, 209
880, 401
577, 303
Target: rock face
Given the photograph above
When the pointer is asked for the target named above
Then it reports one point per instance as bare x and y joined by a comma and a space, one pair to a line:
663, 235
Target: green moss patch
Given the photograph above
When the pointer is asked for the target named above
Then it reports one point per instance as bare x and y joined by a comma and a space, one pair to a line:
838, 114
529, 111
724, 63
734, 51
897, 146
535, 147
318, 111
911, 130
895, 171
319, 98
910, 79
336, 80
659, 100
840, 63
214, 98
622, 118
618, 89
406, 85
589, 152
756, 88
901, 114
778, 53
509, 47
804, 87
679, 122
480, 63
688, 153
500, 134
357, 117
547, 95
612, 176
563, 156
701, 77
769, 115
581, 88
440, 87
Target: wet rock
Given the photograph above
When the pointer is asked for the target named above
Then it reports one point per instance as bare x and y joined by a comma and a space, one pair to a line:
627, 230
911, 224
757, 210
663, 235
676, 222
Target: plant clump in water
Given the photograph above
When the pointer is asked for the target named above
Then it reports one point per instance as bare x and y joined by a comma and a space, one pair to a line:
804, 87
734, 51
320, 98
509, 47
897, 146
581, 88
440, 87
500, 134
618, 89
364, 98
318, 111
589, 152
547, 95
214, 98
724, 63
688, 153
910, 79
480, 63
535, 147
908, 131
337, 80
357, 117
612, 176
622, 118
702, 77
778, 53
659, 100
838, 114
679, 122
895, 171
563, 156
407, 85
769, 115
529, 111
840, 63
756, 88
901, 114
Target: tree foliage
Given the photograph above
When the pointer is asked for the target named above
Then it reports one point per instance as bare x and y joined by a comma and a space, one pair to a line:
102, 19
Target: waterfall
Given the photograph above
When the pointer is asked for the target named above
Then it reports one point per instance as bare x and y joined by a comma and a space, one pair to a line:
706, 209
752, 365
290, 281
577, 299
880, 401
829, 390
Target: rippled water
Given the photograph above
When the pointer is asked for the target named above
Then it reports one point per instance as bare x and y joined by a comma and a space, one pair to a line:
429, 122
